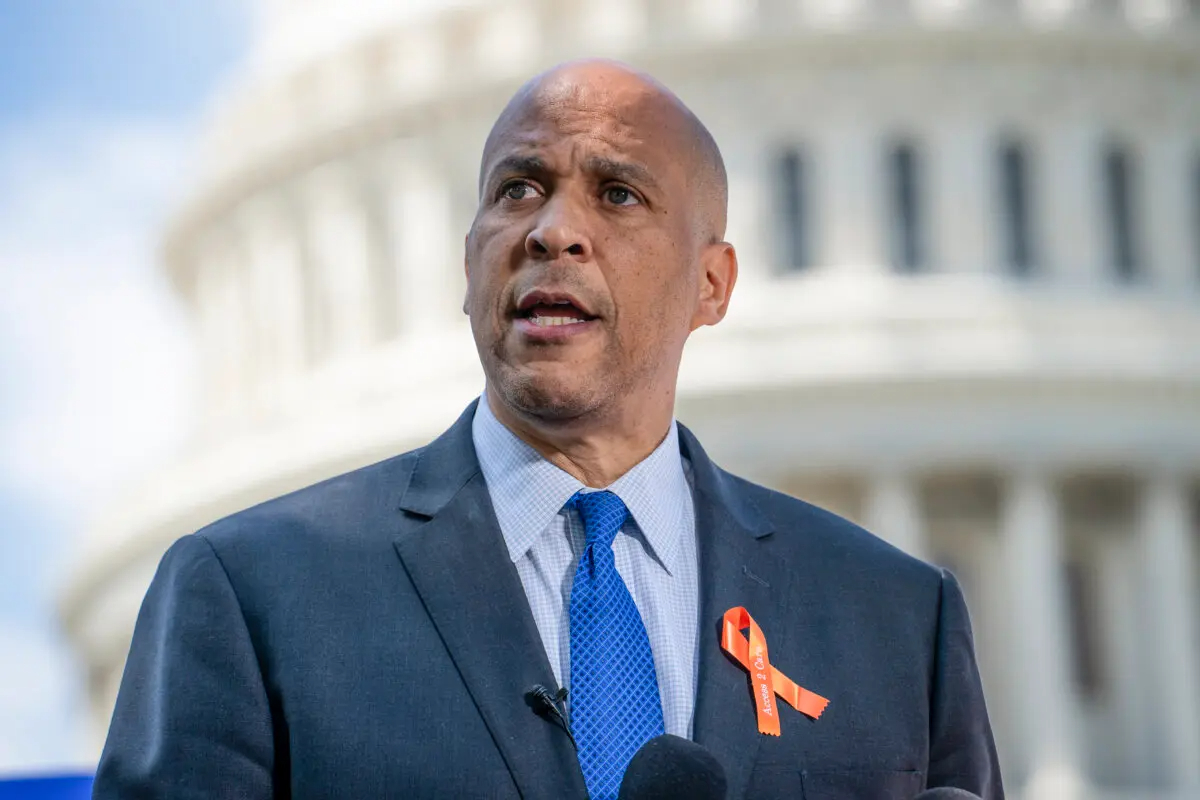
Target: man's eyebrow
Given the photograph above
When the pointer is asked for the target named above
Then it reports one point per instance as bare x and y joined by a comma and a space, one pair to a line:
609, 168
628, 171
518, 165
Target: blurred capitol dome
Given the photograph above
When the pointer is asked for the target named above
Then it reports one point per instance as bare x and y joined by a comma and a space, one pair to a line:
968, 317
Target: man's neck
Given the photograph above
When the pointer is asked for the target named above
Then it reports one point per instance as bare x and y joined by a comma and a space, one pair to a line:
596, 452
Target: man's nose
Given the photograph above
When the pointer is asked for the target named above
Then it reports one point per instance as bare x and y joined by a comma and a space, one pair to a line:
558, 233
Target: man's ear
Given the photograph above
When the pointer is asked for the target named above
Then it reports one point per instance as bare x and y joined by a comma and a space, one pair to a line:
466, 272
718, 274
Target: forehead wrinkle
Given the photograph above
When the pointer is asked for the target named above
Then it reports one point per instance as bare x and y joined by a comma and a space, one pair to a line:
607, 99
570, 107
534, 153
525, 142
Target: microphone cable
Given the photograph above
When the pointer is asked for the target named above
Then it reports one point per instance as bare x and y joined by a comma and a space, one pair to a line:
543, 703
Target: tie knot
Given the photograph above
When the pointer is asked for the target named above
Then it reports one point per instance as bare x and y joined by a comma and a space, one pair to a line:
603, 515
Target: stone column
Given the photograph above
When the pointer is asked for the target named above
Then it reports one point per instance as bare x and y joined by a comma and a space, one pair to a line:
277, 294
340, 249
1046, 708
1067, 175
612, 24
222, 294
507, 38
892, 511
753, 209
1044, 11
1165, 530
778, 14
963, 192
426, 254
832, 11
1168, 197
721, 18
207, 301
1126, 688
849, 180
1159, 13
958, 11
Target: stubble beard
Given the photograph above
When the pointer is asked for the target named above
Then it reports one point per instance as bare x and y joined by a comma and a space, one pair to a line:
559, 399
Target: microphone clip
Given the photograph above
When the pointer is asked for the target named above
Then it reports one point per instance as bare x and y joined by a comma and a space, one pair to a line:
545, 704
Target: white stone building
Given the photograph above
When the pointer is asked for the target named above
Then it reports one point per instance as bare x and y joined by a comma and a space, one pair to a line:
969, 310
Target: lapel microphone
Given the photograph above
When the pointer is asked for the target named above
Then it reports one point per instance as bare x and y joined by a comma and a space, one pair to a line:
545, 704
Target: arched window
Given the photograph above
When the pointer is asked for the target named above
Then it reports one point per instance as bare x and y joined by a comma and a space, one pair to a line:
906, 220
1015, 214
1119, 201
795, 225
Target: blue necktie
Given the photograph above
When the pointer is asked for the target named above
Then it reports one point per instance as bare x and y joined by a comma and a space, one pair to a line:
615, 706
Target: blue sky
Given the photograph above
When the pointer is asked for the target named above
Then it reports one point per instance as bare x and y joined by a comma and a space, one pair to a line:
99, 109
114, 56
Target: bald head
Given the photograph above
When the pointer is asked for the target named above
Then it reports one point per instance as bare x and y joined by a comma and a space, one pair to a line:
647, 110
596, 249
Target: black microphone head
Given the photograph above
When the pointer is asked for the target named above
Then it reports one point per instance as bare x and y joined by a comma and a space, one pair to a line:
946, 793
539, 696
672, 768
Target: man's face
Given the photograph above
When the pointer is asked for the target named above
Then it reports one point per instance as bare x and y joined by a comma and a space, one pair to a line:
582, 262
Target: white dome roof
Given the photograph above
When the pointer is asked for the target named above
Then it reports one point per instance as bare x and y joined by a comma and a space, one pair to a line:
295, 32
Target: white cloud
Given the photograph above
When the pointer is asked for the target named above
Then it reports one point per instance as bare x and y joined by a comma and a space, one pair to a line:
93, 350
94, 379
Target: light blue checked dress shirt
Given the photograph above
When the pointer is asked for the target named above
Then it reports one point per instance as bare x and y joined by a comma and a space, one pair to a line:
655, 551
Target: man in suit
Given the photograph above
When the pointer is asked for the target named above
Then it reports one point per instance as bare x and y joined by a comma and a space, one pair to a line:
378, 635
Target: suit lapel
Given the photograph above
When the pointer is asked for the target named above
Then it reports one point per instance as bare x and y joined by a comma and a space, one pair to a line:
459, 565
729, 527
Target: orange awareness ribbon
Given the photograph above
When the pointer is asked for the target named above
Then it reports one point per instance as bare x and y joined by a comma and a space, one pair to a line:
766, 680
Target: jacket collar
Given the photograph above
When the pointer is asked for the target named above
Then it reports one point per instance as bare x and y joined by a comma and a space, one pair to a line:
489, 630
458, 564
735, 570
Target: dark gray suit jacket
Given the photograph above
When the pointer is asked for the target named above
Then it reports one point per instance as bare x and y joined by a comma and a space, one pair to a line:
368, 637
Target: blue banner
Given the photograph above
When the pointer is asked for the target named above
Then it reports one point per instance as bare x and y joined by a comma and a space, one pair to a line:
74, 787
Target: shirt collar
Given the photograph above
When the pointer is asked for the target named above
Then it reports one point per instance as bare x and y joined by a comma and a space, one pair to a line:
658, 497
528, 491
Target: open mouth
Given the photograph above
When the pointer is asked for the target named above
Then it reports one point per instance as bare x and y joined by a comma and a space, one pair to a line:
553, 315
541, 309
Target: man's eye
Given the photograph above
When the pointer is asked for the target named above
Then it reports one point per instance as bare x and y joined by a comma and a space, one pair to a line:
620, 196
518, 190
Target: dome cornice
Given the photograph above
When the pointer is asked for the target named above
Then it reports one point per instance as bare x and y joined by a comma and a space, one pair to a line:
256, 142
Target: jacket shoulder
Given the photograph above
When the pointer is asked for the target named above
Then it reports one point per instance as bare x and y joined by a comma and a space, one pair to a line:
807, 530
333, 507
